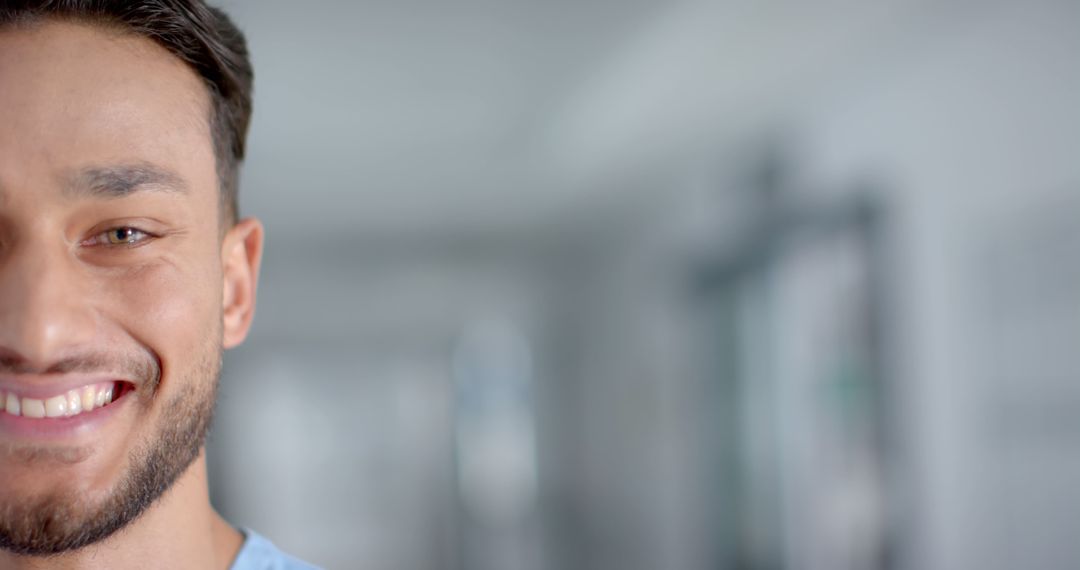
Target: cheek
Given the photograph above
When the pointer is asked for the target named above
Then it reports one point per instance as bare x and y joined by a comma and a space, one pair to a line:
170, 309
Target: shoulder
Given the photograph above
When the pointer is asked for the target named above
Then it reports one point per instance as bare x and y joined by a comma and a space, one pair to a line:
258, 553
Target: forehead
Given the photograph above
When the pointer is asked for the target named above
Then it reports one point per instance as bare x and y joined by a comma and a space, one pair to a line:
73, 95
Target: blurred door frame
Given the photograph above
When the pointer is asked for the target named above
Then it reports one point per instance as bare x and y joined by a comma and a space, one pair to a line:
804, 455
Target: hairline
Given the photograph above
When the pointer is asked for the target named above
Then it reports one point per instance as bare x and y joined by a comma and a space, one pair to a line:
226, 175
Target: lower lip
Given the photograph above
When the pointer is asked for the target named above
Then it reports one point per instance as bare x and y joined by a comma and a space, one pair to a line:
21, 427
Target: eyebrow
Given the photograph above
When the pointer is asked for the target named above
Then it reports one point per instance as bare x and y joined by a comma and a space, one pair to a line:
120, 180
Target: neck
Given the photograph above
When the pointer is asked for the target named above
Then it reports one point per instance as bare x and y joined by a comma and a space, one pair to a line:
179, 531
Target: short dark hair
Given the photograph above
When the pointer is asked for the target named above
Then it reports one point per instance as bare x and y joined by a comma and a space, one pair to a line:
202, 36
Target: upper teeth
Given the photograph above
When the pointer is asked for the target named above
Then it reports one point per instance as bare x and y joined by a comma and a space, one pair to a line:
70, 403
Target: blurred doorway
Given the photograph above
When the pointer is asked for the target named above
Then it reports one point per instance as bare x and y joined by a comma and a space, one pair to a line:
798, 392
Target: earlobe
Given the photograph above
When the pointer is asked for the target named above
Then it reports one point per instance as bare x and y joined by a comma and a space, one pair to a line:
240, 257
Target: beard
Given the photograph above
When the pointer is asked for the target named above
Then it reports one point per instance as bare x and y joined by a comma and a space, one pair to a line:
64, 520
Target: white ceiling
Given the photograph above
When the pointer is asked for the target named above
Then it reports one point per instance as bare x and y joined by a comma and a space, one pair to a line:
401, 117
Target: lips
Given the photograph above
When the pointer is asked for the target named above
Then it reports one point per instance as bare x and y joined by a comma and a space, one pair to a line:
62, 404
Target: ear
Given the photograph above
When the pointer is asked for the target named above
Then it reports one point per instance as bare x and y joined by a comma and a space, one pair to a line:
241, 254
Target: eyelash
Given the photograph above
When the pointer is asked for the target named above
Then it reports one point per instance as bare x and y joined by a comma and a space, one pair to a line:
129, 236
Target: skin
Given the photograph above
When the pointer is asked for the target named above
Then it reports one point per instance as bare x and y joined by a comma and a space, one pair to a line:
73, 97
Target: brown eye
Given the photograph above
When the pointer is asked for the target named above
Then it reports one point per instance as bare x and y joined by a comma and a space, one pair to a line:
121, 236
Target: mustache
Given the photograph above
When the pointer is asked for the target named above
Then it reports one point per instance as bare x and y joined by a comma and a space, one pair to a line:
138, 366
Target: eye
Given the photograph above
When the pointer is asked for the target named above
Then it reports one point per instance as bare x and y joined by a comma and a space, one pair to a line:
121, 236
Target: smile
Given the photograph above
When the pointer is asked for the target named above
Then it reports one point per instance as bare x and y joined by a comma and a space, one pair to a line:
70, 403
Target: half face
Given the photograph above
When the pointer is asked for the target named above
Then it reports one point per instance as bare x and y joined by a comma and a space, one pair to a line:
111, 277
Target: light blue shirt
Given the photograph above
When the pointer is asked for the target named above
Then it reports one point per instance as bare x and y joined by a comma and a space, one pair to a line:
258, 553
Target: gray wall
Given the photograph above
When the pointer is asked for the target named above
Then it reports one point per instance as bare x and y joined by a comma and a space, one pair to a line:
558, 178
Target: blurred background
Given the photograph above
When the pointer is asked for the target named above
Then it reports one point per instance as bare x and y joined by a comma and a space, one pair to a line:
677, 285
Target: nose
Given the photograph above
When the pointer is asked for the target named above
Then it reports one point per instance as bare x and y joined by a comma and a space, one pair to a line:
43, 316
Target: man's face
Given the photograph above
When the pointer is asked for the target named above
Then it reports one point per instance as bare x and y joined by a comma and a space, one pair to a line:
111, 277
